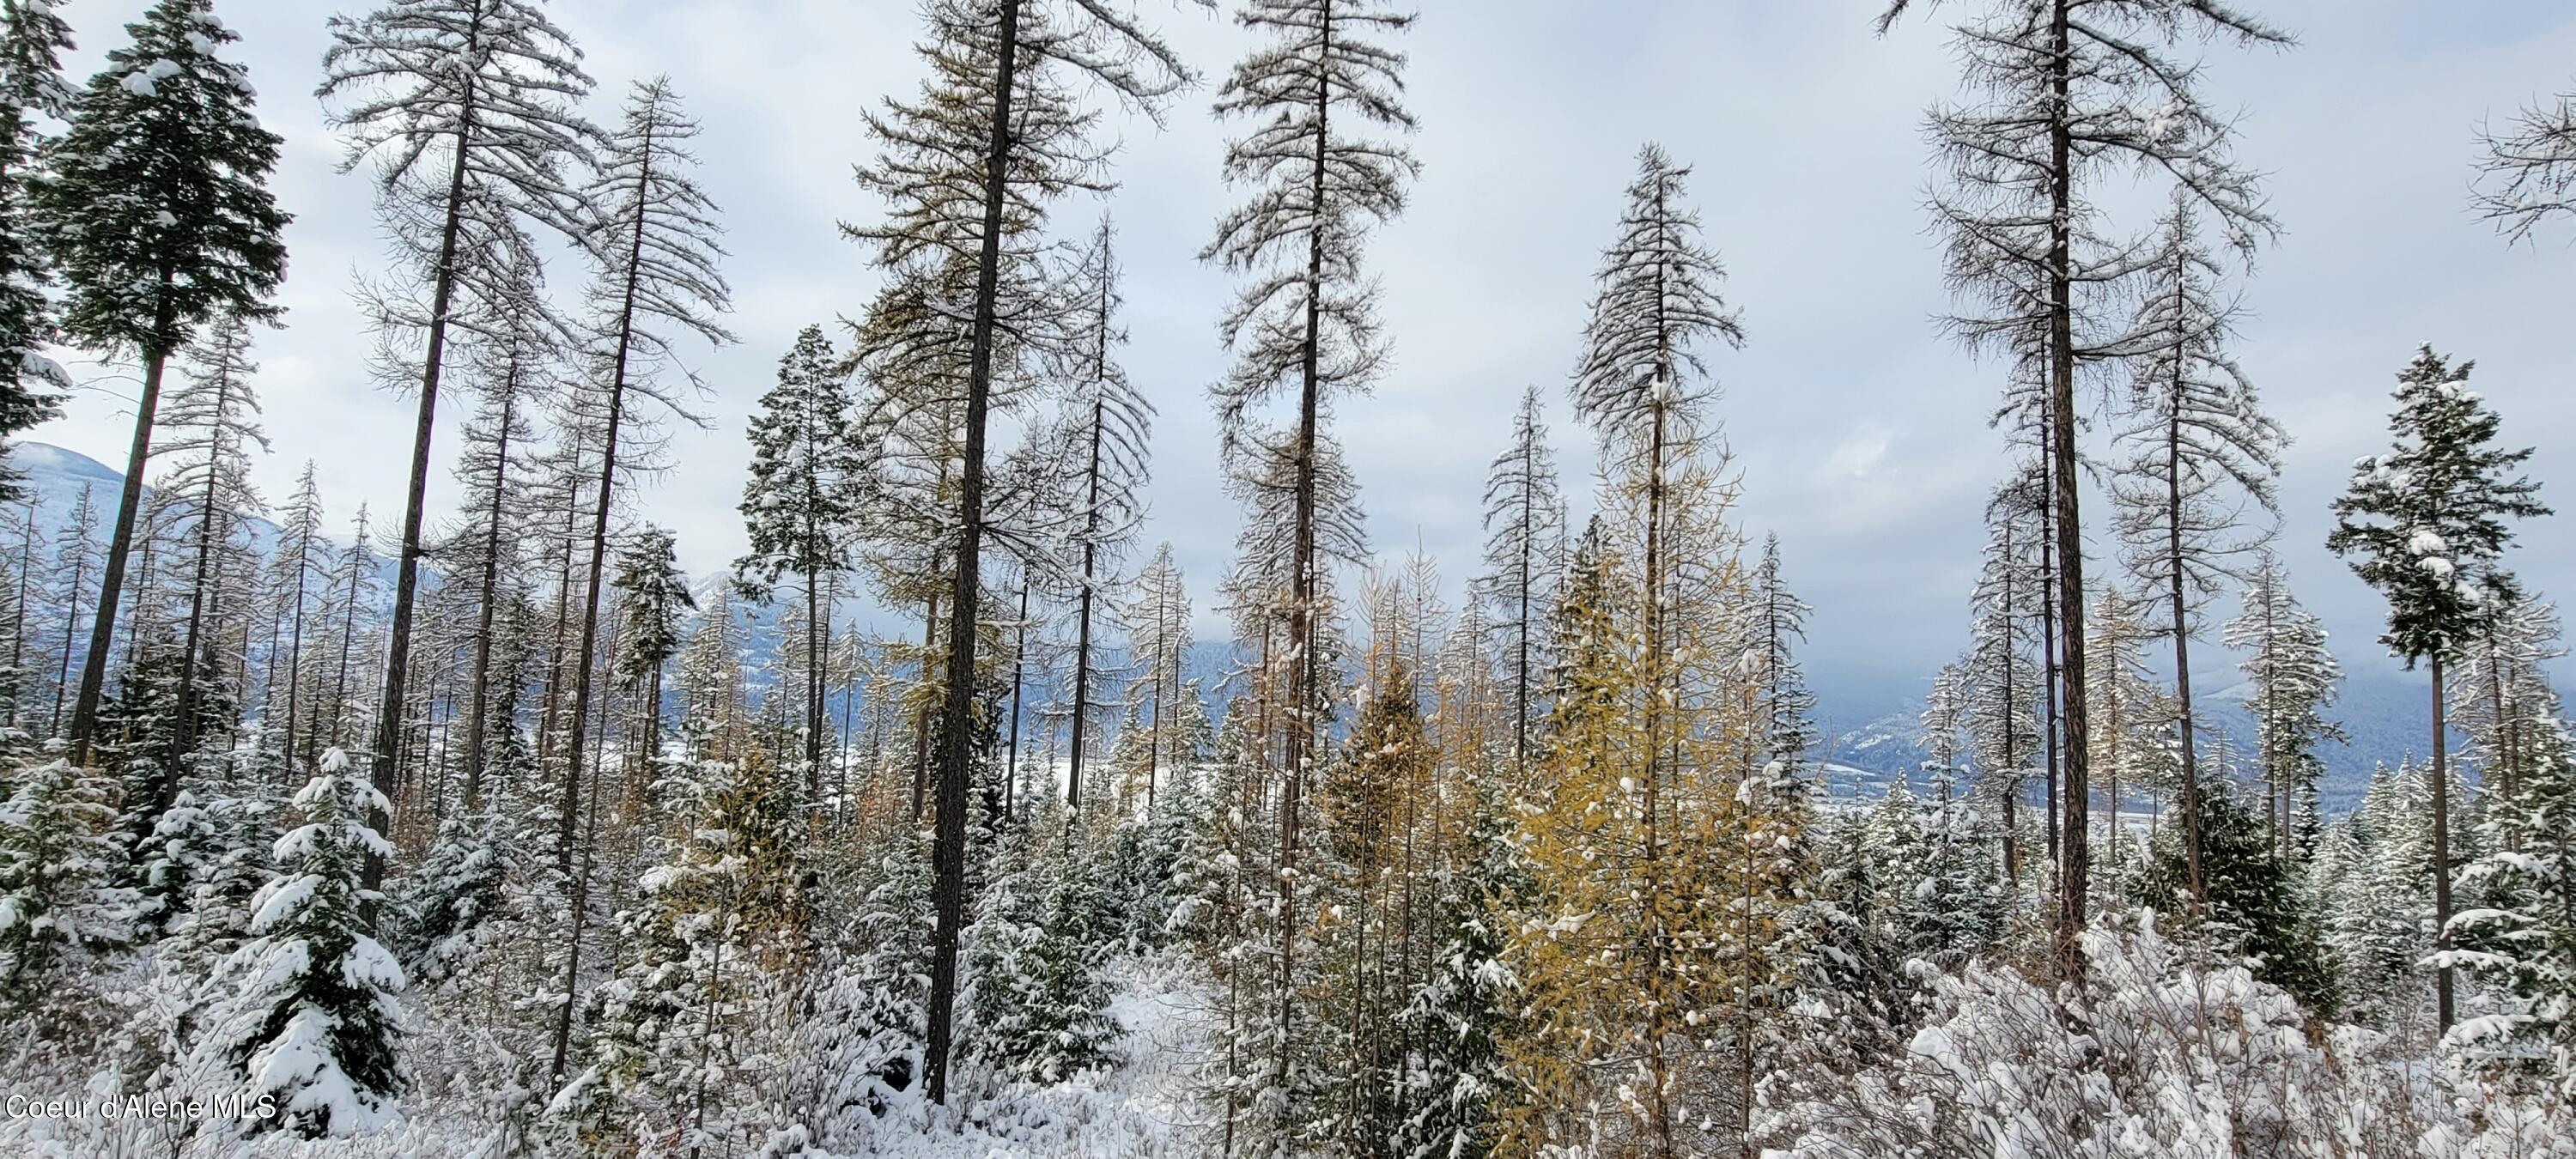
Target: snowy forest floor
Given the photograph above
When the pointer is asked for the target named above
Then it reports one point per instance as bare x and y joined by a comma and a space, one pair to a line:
1141, 1105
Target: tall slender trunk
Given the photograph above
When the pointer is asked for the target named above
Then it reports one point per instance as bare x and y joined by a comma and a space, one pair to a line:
948, 853
572, 945
184, 737
2180, 608
584, 662
1019, 667
2501, 746
2048, 685
488, 586
2276, 789
18, 618
921, 717
2441, 852
2114, 729
2075, 842
818, 632
348, 642
1082, 614
71, 633
1299, 720
2011, 700
120, 543
1520, 665
1659, 947
407, 565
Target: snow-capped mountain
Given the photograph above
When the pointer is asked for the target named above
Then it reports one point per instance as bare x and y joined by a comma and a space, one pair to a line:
2384, 718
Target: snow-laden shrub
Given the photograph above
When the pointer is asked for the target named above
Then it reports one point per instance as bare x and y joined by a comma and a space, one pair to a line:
2160, 1052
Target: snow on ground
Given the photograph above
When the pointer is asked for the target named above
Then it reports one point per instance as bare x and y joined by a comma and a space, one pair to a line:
1142, 1106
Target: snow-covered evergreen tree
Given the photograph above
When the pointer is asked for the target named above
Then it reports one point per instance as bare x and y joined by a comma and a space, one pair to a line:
687, 1039
158, 213
1039, 1004
2248, 903
2294, 678
1776, 624
2130, 736
32, 40
2425, 524
1460, 1013
654, 607
798, 503
309, 1011
863, 1040
2004, 679
2501, 695
62, 904
1157, 613
2522, 939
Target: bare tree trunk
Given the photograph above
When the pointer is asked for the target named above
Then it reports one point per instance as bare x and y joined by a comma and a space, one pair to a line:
2049, 689
18, 618
2441, 852
584, 663
817, 633
1520, 667
1019, 663
572, 945
1659, 943
921, 719
2181, 611
948, 851
183, 739
1081, 669
2074, 846
407, 567
549, 718
71, 632
1299, 719
120, 543
476, 727
348, 642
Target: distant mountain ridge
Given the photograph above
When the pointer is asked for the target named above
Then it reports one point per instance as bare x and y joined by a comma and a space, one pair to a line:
2384, 717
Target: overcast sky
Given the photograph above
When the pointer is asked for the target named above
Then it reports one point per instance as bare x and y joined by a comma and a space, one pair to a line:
1859, 430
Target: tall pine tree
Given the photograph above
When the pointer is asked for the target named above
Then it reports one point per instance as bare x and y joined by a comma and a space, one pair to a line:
2425, 524
158, 213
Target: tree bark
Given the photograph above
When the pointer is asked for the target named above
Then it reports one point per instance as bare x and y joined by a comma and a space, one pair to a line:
120, 543
475, 725
1019, 668
2441, 853
184, 737
584, 662
2181, 610
1082, 616
1298, 721
948, 852
2074, 844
